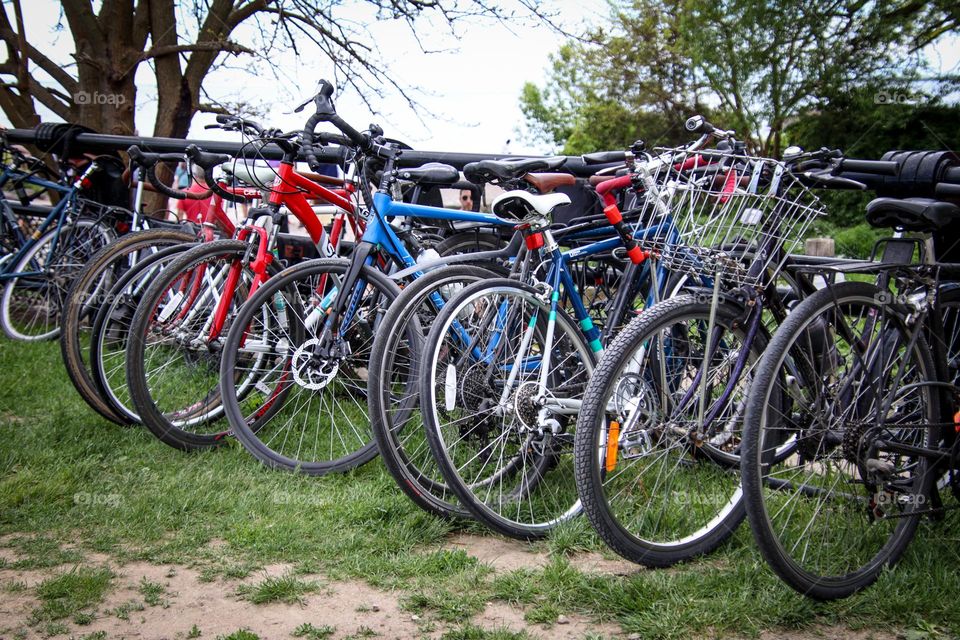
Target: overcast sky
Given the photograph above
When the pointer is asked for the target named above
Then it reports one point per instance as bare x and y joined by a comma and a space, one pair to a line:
469, 85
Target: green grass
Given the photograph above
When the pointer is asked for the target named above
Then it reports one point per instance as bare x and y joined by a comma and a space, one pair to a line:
69, 478
70, 592
152, 593
240, 634
286, 589
307, 630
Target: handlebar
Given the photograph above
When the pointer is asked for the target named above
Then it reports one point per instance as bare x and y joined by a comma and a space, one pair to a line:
325, 111
207, 161
878, 167
236, 123
149, 161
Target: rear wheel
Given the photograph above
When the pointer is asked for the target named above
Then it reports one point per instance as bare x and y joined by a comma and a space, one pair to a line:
844, 505
31, 304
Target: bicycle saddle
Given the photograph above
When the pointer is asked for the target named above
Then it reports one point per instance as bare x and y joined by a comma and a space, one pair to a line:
252, 173
911, 214
431, 173
517, 205
490, 170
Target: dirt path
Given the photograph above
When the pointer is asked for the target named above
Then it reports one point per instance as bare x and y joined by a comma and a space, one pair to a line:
190, 604
185, 603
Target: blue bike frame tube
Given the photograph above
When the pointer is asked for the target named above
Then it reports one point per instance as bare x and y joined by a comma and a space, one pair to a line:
59, 213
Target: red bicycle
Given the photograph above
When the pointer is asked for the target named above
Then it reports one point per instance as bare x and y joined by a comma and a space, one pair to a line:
176, 333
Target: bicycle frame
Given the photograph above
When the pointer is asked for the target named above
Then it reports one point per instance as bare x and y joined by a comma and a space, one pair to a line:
288, 190
58, 214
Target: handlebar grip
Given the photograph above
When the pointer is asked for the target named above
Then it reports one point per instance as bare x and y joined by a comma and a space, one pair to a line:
604, 157
879, 167
355, 136
947, 190
162, 188
698, 123
149, 163
620, 182
207, 161
145, 159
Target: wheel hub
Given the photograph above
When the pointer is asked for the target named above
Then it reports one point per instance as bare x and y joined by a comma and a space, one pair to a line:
306, 372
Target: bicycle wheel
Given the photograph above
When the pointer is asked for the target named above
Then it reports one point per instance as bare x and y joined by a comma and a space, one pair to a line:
111, 329
646, 461
830, 516
294, 389
470, 242
500, 386
84, 298
31, 304
392, 388
173, 361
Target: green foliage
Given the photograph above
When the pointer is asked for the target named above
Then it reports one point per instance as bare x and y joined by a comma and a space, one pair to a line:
240, 634
307, 630
761, 67
858, 241
869, 120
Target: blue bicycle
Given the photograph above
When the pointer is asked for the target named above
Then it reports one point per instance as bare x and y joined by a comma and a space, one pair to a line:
306, 336
40, 266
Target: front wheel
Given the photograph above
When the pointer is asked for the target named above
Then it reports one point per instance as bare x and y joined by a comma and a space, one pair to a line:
294, 389
31, 304
661, 417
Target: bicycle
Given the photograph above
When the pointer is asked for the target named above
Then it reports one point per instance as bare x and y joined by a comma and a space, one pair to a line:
499, 390
184, 315
837, 474
41, 266
659, 436
320, 356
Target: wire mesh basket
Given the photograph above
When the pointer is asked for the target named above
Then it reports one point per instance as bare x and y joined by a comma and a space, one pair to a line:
721, 215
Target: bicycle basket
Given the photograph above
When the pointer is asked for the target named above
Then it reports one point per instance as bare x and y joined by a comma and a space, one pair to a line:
723, 215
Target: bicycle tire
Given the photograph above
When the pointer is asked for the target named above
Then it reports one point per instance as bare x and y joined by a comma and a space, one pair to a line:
85, 297
190, 417
688, 504
70, 256
252, 418
108, 336
542, 459
400, 439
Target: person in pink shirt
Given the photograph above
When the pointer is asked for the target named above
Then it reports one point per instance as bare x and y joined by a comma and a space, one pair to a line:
193, 210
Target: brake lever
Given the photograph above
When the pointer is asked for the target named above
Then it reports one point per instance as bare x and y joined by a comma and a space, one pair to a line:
829, 180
